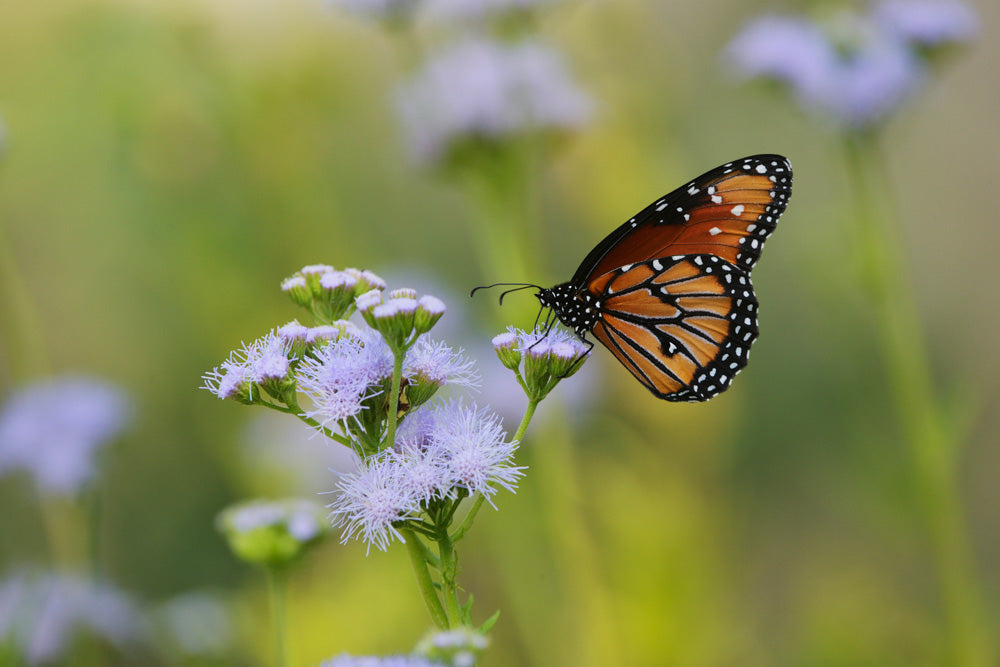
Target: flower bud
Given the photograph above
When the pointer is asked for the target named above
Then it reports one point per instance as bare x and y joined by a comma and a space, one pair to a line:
334, 298
429, 311
508, 349
272, 533
296, 288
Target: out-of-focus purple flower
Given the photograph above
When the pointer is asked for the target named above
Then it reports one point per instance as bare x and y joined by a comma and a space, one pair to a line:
928, 23
54, 429
459, 647
41, 613
272, 532
479, 10
855, 69
194, 625
380, 661
385, 10
483, 90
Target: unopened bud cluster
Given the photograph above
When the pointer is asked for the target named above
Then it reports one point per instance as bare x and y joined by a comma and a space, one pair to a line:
540, 359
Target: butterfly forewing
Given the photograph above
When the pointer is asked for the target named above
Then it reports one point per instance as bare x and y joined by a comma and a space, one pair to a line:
682, 325
728, 212
669, 292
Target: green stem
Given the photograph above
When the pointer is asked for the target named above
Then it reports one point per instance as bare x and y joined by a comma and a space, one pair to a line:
478, 502
278, 593
397, 376
418, 559
934, 447
449, 571
22, 328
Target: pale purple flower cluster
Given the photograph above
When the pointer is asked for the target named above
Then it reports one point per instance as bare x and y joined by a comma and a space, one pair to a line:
267, 358
340, 375
855, 69
480, 89
435, 362
54, 429
301, 519
41, 613
438, 450
380, 661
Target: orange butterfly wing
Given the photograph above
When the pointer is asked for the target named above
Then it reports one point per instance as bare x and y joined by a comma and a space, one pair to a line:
682, 325
728, 212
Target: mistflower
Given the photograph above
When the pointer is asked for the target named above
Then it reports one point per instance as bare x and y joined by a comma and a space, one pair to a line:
479, 10
928, 23
371, 500
854, 69
459, 647
380, 661
41, 614
54, 429
272, 533
429, 365
266, 361
549, 356
474, 445
482, 90
340, 375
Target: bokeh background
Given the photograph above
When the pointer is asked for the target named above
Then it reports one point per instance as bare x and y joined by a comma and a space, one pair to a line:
165, 165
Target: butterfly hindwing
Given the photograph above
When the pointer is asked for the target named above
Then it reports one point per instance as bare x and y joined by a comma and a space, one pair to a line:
682, 325
728, 212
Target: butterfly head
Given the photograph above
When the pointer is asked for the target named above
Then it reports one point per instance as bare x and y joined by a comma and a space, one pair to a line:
575, 308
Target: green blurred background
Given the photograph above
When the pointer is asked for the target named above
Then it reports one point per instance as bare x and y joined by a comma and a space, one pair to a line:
165, 165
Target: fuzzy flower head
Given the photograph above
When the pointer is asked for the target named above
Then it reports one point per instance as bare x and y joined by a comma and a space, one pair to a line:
548, 357
460, 647
439, 451
854, 69
339, 376
54, 429
430, 365
272, 533
265, 363
371, 501
482, 91
40, 614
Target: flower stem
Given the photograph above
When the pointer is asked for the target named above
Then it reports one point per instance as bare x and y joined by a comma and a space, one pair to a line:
418, 560
449, 570
934, 447
397, 376
278, 592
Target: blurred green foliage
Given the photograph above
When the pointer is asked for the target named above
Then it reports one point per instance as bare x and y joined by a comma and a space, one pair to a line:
166, 164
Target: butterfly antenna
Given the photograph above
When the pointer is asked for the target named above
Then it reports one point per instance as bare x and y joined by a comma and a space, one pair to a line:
516, 288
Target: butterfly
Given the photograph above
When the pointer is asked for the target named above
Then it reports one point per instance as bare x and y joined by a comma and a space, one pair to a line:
669, 291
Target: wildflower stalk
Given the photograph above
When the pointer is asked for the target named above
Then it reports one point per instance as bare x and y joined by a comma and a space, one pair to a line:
277, 583
419, 560
26, 354
934, 447
397, 376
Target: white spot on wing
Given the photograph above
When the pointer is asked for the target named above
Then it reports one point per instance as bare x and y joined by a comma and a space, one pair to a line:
714, 230
738, 210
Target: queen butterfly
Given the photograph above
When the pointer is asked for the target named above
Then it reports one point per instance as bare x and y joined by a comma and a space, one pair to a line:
669, 291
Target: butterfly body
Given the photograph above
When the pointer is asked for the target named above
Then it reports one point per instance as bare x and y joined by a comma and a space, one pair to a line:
669, 292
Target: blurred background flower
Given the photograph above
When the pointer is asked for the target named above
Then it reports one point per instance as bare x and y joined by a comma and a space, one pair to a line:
54, 429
